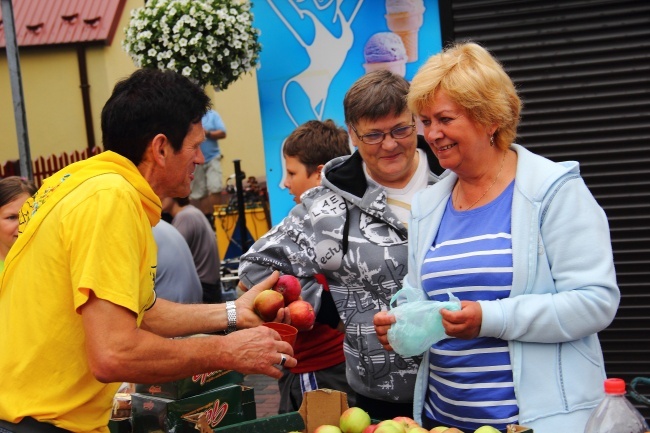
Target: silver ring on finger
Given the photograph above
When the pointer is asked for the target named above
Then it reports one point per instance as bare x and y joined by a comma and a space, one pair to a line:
283, 359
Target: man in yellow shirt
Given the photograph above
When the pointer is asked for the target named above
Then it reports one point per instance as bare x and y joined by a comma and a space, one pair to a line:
78, 311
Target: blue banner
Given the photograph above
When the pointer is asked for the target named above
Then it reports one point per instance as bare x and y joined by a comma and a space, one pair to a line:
314, 50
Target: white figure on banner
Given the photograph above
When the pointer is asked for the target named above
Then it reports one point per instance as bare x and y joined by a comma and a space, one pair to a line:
327, 50
326, 54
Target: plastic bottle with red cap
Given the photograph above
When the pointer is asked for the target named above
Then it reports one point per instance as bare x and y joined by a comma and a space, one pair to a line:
615, 414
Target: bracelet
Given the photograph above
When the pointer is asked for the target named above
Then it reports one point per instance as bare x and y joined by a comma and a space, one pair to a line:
231, 310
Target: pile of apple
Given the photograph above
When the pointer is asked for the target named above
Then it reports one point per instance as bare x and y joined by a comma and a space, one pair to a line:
356, 420
285, 293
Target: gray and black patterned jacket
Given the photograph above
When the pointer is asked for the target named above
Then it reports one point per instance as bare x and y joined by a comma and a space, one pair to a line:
345, 231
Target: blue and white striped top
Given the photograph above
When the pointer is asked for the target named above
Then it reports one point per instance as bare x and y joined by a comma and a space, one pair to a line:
470, 381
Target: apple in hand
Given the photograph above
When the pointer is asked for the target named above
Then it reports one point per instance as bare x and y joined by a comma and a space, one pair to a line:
354, 419
302, 315
267, 304
289, 287
326, 428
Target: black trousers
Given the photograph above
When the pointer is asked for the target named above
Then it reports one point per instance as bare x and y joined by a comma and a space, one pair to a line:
29, 425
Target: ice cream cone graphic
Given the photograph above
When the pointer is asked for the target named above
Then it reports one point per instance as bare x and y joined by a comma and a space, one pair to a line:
385, 50
405, 17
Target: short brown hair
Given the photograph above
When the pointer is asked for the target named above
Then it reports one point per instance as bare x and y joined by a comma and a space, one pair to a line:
13, 186
375, 95
315, 143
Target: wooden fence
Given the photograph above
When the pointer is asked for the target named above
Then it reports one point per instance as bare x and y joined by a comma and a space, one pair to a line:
44, 167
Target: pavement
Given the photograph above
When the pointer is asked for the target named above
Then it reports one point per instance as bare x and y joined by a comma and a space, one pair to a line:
267, 395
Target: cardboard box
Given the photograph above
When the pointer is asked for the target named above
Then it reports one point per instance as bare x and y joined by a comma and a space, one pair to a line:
218, 407
195, 385
323, 406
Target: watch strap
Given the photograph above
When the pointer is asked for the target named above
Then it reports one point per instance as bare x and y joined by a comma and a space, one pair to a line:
231, 311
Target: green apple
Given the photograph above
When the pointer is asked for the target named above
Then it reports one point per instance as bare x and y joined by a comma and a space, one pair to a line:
390, 426
486, 429
439, 429
354, 420
326, 428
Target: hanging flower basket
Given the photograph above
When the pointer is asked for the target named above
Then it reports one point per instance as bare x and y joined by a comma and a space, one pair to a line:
213, 42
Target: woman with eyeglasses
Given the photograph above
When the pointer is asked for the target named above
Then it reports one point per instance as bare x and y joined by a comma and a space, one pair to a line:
352, 232
522, 243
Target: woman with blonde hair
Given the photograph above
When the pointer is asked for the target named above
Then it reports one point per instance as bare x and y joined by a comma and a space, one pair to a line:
523, 244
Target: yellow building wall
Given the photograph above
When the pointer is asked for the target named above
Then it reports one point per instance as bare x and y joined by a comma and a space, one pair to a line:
54, 108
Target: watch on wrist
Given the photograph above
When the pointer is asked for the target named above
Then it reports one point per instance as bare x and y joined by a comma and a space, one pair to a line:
231, 311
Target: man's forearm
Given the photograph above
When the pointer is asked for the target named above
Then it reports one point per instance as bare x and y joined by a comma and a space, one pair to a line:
169, 319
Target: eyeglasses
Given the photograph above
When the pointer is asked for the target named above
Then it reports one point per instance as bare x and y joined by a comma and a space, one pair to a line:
377, 136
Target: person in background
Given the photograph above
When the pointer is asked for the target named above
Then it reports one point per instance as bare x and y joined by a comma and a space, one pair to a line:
208, 182
176, 276
307, 149
202, 240
14, 191
351, 232
319, 351
521, 241
78, 311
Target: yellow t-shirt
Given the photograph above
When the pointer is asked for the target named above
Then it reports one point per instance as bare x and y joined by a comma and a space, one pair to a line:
98, 236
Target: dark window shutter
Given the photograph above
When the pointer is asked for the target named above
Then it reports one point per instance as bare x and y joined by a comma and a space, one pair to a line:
582, 68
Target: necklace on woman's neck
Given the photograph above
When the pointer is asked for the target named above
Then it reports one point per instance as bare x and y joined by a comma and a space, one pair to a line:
486, 191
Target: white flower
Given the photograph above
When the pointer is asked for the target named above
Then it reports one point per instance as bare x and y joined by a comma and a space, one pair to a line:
211, 41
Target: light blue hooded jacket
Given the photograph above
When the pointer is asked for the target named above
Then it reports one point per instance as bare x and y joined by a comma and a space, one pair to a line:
564, 289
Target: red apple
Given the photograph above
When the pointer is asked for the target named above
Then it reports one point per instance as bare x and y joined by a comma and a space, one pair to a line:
407, 423
289, 287
354, 419
370, 429
302, 315
267, 304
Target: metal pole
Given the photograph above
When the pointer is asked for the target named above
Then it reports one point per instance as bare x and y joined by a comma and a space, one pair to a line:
17, 89
241, 207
